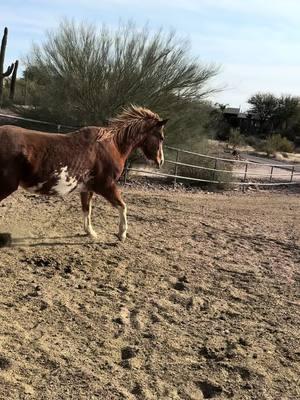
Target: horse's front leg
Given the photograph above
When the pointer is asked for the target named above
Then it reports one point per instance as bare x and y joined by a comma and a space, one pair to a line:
86, 202
112, 194
123, 221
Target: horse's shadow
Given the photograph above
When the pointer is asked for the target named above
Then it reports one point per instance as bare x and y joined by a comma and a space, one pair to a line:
54, 241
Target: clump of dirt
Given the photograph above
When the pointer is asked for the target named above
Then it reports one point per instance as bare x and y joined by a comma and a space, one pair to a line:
4, 363
209, 390
41, 261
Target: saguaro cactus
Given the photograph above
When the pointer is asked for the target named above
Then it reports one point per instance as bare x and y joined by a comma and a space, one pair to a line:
13, 81
2, 57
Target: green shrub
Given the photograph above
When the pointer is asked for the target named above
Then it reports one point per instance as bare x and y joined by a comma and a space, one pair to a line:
252, 141
275, 143
236, 138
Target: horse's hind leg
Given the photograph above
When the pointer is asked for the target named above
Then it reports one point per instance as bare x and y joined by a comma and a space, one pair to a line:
8, 185
86, 203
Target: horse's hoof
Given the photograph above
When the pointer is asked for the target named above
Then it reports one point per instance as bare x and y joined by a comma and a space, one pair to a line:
93, 235
122, 238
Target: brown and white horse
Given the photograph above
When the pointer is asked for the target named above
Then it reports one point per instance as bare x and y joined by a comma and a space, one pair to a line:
89, 160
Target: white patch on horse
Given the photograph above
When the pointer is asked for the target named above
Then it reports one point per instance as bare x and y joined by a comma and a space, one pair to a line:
88, 223
123, 222
34, 189
65, 183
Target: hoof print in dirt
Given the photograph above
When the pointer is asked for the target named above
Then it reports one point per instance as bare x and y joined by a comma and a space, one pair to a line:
183, 279
4, 363
149, 335
67, 269
247, 386
118, 321
137, 390
129, 352
209, 390
244, 342
34, 293
43, 305
79, 286
41, 262
218, 348
181, 283
180, 286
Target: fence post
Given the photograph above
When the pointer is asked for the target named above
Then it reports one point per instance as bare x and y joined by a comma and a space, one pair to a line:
292, 173
245, 176
271, 173
215, 167
176, 168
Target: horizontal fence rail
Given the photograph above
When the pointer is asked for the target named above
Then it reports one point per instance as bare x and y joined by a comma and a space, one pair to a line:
229, 159
210, 181
228, 171
289, 176
36, 121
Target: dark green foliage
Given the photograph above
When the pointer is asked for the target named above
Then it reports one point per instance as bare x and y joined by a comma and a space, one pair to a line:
264, 106
82, 76
276, 114
276, 143
252, 140
236, 138
219, 124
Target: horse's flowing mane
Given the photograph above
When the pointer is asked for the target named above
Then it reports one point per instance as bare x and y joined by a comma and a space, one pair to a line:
132, 115
127, 125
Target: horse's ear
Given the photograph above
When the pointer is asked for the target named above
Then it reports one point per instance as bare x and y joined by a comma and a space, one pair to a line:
163, 122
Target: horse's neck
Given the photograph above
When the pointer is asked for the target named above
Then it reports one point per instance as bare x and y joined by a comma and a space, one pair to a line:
127, 145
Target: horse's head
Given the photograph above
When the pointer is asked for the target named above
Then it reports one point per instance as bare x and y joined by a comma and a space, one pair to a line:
152, 145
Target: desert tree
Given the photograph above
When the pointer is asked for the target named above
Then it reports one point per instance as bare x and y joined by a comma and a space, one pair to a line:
276, 114
264, 106
85, 75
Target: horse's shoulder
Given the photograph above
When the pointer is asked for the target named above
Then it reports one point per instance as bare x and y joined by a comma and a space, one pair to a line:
87, 132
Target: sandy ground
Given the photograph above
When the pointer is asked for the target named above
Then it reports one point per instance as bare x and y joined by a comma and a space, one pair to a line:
202, 301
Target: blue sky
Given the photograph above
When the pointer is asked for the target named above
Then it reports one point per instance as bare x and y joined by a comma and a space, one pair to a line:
255, 42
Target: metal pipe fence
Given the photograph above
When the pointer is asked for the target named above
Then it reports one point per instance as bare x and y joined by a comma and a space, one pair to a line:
37, 122
228, 171
162, 174
291, 177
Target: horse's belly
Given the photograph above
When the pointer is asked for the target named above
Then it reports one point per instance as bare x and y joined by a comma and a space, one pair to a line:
59, 189
60, 183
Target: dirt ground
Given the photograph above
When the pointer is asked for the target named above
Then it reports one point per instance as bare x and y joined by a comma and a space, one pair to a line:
202, 301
